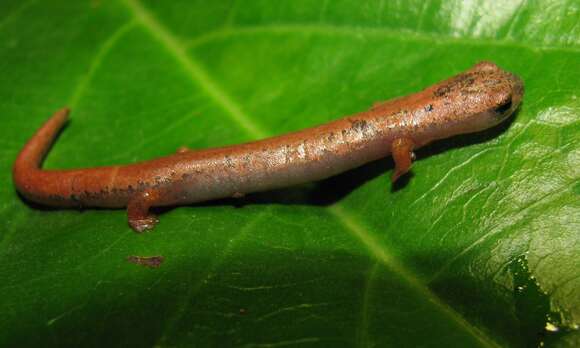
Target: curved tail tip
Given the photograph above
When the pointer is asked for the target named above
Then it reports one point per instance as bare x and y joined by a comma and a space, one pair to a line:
63, 113
65, 110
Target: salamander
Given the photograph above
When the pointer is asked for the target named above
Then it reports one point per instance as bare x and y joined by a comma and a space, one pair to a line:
471, 101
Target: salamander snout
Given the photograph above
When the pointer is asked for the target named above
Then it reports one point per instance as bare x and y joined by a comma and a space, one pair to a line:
509, 98
482, 97
498, 93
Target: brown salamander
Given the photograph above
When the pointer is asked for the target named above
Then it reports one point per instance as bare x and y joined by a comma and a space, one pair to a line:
474, 100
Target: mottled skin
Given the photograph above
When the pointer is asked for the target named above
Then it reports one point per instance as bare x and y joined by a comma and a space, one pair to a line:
474, 100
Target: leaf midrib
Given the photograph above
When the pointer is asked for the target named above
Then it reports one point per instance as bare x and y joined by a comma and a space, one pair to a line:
195, 70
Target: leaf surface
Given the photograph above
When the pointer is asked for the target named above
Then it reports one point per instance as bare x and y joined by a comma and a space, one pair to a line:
480, 247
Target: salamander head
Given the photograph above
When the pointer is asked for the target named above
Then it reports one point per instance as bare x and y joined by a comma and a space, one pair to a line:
475, 100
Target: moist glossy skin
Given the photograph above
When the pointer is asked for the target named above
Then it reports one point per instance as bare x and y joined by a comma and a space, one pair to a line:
474, 100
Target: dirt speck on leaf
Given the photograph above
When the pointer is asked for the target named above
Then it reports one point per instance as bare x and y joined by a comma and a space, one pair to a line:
147, 261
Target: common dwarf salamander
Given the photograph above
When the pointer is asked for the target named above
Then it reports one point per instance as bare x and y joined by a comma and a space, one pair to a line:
474, 100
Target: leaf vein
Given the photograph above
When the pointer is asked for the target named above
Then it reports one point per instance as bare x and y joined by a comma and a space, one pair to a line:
194, 69
493, 230
392, 264
356, 31
97, 61
195, 288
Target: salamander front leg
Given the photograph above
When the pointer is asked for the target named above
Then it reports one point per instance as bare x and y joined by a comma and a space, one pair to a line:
402, 150
140, 219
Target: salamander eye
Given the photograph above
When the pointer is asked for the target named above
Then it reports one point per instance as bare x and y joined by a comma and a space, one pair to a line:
503, 107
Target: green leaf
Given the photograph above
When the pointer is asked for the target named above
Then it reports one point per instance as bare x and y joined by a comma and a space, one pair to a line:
480, 247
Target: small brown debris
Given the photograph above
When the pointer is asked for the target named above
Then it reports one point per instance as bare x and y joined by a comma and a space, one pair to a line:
147, 261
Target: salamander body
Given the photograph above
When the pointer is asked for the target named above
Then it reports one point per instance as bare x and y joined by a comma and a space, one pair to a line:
474, 100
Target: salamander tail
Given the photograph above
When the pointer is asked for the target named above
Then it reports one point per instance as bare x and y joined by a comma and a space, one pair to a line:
30, 158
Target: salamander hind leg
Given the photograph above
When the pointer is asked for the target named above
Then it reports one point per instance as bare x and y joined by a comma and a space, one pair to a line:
140, 218
403, 156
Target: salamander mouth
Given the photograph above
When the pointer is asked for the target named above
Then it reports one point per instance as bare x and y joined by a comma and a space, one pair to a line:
504, 108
